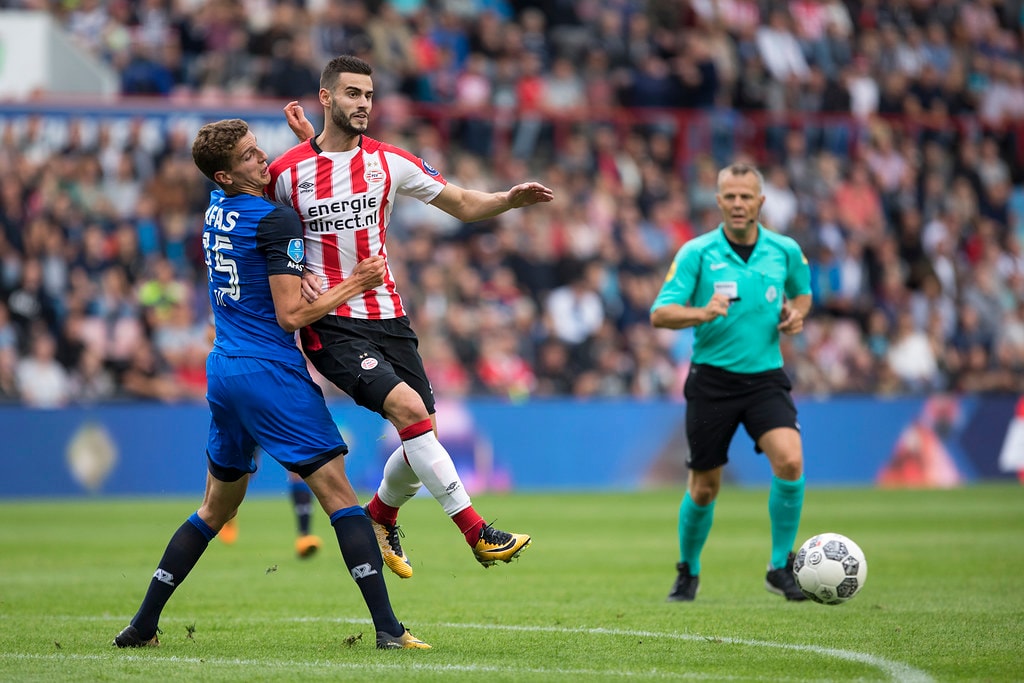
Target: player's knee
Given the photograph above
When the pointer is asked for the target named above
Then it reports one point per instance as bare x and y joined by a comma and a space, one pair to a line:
703, 492
788, 467
404, 406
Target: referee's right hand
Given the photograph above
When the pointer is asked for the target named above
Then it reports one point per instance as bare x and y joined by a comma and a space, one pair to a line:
717, 307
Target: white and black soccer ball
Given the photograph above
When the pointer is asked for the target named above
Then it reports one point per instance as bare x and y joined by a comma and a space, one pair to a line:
830, 568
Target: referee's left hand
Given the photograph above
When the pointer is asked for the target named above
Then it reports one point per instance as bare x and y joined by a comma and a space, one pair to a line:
791, 321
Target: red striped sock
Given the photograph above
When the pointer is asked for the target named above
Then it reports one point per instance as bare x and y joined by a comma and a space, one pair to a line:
381, 512
470, 524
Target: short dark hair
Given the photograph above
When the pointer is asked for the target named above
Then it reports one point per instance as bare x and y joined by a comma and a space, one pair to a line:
739, 170
214, 146
343, 64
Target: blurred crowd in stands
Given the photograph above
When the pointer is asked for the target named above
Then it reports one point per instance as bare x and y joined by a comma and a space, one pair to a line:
891, 136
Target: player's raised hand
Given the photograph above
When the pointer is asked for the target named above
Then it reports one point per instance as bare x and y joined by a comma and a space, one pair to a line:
297, 121
527, 194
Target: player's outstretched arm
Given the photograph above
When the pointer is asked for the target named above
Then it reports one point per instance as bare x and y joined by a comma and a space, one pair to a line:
294, 312
298, 122
474, 205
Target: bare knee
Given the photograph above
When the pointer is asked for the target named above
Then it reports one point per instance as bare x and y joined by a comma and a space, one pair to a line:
704, 486
404, 406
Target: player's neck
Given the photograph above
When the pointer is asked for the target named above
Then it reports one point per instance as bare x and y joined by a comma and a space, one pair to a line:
337, 141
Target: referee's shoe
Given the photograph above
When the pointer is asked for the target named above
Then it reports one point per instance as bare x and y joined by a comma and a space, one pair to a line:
685, 587
781, 581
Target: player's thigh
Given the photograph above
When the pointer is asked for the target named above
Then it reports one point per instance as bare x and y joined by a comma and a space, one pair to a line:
230, 448
402, 352
283, 410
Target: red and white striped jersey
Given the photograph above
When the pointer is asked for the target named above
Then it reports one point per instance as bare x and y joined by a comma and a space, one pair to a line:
345, 201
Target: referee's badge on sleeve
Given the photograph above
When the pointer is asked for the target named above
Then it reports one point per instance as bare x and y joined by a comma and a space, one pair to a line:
296, 250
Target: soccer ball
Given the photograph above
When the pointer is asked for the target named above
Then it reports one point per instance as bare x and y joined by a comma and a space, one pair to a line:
830, 568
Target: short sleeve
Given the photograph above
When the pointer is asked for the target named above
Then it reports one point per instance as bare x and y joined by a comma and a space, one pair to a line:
798, 278
681, 279
279, 237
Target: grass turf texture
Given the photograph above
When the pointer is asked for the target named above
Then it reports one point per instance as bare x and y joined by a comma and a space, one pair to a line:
944, 598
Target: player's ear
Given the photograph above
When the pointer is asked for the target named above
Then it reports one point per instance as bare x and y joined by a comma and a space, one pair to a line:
222, 178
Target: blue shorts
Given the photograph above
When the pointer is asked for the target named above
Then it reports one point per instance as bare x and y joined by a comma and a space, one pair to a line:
273, 405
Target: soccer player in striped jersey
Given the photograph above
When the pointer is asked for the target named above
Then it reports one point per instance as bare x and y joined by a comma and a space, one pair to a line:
343, 184
259, 390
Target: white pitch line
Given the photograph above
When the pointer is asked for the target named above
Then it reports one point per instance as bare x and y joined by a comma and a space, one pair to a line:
404, 666
897, 671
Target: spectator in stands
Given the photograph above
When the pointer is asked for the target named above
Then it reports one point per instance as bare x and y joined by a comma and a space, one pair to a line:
77, 218
912, 356
42, 381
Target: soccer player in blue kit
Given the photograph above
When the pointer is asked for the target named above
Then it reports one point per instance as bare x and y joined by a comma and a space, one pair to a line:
740, 286
259, 390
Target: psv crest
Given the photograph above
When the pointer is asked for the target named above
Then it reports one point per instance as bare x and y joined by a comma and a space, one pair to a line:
374, 173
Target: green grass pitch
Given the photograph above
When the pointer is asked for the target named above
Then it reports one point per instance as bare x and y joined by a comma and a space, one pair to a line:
944, 598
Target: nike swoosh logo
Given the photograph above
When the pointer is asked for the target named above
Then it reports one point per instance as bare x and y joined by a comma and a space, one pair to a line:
508, 546
717, 266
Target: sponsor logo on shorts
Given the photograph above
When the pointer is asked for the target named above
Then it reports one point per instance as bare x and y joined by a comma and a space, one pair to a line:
368, 363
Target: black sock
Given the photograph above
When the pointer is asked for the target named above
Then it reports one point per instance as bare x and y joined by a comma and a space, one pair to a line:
362, 557
302, 502
183, 551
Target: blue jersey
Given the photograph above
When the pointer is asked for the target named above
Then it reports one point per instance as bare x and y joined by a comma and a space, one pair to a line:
245, 240
259, 391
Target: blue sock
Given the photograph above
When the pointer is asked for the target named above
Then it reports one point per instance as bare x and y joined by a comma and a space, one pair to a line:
785, 503
694, 527
362, 557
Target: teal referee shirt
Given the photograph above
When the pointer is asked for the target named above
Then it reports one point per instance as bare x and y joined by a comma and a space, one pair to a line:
746, 340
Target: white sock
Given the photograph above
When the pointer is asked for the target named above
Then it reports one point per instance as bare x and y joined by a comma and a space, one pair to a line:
434, 467
400, 483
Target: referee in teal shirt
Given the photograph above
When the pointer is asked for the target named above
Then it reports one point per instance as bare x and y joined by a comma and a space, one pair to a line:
740, 285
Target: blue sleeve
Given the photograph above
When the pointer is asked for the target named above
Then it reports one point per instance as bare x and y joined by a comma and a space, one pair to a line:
279, 237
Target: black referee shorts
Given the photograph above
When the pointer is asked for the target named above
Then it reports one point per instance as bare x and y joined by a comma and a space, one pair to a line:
367, 358
719, 401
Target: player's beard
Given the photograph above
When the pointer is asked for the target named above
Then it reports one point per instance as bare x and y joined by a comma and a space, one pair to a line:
344, 123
